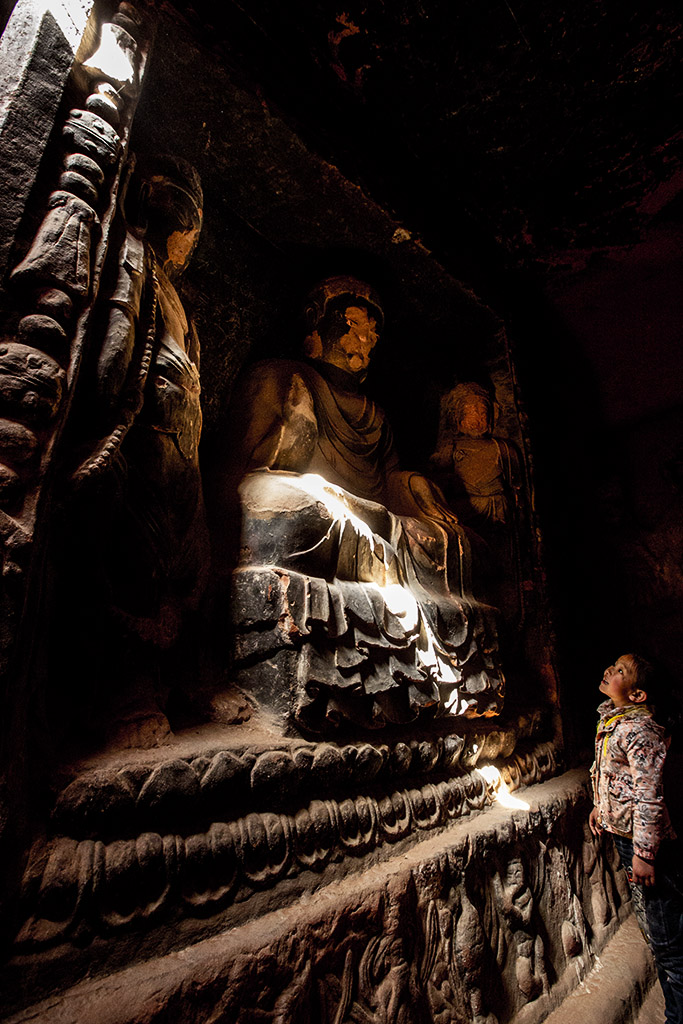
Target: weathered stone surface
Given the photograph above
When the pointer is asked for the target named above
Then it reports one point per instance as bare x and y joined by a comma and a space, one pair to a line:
57, 249
616, 990
37, 53
253, 821
467, 924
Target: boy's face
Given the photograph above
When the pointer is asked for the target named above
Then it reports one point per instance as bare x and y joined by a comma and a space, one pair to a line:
620, 682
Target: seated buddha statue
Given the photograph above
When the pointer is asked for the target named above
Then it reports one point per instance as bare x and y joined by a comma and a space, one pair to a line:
352, 595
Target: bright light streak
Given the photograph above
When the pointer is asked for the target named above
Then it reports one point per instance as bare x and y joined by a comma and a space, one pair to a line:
502, 794
114, 57
335, 500
21, 34
400, 603
399, 600
70, 15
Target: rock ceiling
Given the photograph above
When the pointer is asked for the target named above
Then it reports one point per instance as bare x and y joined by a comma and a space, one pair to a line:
555, 127
517, 140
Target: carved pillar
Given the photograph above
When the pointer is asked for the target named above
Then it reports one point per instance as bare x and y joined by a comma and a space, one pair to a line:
76, 122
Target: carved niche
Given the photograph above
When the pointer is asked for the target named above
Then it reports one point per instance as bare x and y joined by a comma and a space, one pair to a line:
354, 599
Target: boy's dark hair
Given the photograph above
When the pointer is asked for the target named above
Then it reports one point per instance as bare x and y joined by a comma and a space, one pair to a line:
645, 674
660, 694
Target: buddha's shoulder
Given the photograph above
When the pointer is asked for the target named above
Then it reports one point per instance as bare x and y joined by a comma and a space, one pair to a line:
275, 372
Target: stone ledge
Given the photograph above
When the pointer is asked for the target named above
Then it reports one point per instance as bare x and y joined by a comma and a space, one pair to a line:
616, 989
496, 919
652, 1011
183, 852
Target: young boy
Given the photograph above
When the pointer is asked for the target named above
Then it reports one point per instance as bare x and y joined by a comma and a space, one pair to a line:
630, 751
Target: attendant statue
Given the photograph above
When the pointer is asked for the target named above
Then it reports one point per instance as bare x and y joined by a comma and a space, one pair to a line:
352, 593
481, 478
142, 534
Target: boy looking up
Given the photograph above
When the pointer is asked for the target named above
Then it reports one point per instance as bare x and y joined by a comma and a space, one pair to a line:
630, 751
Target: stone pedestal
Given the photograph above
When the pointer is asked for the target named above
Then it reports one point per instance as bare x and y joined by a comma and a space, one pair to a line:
429, 892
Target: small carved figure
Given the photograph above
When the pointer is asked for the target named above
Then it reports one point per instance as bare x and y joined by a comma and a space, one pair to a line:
481, 477
516, 904
354, 568
469, 958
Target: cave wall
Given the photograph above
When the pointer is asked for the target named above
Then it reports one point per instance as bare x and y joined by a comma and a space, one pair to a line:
279, 218
611, 498
173, 859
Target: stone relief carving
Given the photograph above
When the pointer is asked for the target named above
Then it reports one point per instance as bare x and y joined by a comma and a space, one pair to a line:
108, 342
48, 303
516, 906
116, 843
452, 934
353, 593
51, 288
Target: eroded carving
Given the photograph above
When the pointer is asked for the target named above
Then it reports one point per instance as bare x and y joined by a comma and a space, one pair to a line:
516, 905
49, 294
51, 288
136, 430
482, 478
88, 875
98, 802
458, 938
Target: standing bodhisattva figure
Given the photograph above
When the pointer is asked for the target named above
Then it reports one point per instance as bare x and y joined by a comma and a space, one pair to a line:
146, 541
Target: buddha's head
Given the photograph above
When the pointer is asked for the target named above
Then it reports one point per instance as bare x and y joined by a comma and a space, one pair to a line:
171, 202
344, 320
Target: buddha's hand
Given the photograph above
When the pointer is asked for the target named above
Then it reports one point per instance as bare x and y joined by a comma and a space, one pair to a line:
415, 495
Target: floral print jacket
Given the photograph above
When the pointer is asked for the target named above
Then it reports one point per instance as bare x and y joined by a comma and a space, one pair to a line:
630, 750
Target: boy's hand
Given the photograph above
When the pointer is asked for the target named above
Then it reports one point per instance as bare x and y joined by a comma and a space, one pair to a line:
595, 826
642, 871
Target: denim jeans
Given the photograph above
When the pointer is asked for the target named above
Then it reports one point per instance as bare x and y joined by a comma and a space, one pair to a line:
663, 906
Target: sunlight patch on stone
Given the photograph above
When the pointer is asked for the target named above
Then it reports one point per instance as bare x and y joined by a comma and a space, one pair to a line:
501, 793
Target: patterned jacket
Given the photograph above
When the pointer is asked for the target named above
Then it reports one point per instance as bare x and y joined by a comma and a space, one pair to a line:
630, 750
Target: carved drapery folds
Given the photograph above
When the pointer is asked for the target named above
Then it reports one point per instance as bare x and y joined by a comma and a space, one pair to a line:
369, 612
